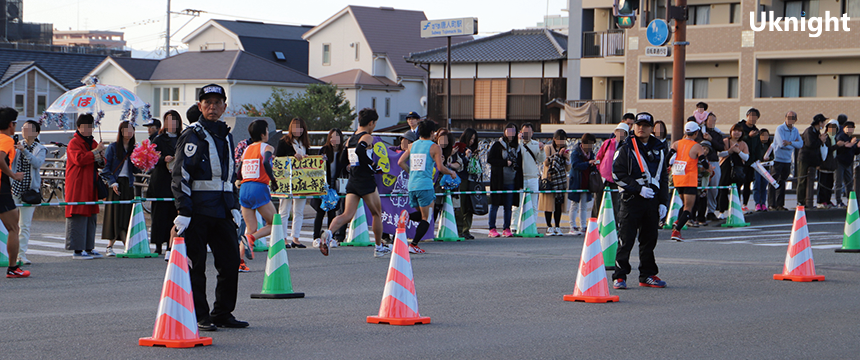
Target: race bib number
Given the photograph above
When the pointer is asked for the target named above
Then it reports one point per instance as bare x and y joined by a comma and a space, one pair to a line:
679, 167
353, 157
250, 168
417, 162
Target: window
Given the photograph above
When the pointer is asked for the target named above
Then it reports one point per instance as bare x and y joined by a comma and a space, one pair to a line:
357, 48
280, 56
735, 13
799, 9
849, 85
19, 103
524, 99
799, 86
41, 104
851, 7
373, 103
733, 88
462, 99
696, 89
698, 15
326, 55
169, 98
490, 98
156, 105
387, 107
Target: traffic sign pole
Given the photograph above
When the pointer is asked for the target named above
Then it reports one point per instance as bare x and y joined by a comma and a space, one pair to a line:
449, 83
679, 54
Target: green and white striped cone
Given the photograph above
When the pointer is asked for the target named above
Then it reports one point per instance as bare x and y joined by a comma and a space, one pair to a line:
277, 283
4, 249
528, 224
607, 229
447, 229
674, 210
851, 237
261, 244
358, 234
736, 214
136, 239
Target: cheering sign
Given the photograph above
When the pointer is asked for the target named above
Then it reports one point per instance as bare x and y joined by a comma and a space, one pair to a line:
300, 177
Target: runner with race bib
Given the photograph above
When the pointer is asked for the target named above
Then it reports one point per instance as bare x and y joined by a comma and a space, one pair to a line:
685, 173
256, 178
423, 155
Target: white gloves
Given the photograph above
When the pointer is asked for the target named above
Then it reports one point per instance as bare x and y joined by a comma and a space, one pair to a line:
237, 217
181, 223
663, 211
646, 192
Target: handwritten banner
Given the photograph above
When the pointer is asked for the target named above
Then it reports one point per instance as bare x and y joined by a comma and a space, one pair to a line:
300, 177
394, 180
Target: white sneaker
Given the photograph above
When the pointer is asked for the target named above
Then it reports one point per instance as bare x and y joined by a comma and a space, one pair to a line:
167, 256
316, 243
550, 231
23, 259
109, 252
381, 251
558, 231
575, 231
332, 243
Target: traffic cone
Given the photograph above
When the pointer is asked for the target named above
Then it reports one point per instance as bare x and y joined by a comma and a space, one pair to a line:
277, 283
608, 232
358, 235
4, 243
591, 284
261, 244
399, 301
798, 259
176, 321
527, 221
136, 239
447, 230
851, 236
674, 210
736, 215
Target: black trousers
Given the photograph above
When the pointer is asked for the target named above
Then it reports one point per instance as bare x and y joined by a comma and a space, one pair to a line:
637, 216
598, 200
805, 175
749, 177
780, 173
825, 186
221, 236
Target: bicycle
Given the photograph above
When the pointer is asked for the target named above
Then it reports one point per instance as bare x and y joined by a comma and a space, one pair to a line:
53, 174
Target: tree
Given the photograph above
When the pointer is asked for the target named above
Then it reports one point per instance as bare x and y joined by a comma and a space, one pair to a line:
322, 106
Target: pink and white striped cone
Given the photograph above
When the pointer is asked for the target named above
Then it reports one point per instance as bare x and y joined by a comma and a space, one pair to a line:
798, 259
176, 322
591, 284
4, 243
399, 300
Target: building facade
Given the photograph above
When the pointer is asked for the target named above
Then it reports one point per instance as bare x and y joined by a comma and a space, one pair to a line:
728, 64
90, 38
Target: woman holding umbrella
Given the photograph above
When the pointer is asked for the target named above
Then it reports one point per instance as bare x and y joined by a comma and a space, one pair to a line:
119, 172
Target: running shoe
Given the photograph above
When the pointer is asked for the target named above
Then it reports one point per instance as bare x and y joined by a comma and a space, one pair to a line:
323, 241
249, 252
414, 249
745, 209
550, 231
619, 284
109, 252
676, 235
381, 251
16, 272
243, 268
167, 256
575, 231
507, 233
494, 233
653, 281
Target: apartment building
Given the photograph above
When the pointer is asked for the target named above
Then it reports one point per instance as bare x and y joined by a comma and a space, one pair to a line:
728, 65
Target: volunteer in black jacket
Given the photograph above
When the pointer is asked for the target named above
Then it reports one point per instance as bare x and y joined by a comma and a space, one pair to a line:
639, 169
848, 148
809, 159
751, 138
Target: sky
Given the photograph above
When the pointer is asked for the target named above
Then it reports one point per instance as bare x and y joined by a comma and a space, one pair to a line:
143, 22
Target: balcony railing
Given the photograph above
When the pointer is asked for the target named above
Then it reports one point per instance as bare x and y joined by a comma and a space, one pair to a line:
608, 111
603, 43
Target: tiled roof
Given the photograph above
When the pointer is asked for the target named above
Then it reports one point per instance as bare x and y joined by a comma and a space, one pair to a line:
216, 65
512, 46
396, 33
356, 77
67, 69
14, 69
140, 69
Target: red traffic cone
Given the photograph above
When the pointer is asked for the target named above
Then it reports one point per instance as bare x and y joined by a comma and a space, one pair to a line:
176, 322
399, 301
798, 259
591, 284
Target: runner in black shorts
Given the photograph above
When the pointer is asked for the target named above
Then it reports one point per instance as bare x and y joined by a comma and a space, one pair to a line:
8, 211
361, 184
687, 190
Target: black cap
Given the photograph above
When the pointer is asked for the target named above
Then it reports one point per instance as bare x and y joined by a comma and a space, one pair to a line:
211, 89
413, 115
644, 117
153, 122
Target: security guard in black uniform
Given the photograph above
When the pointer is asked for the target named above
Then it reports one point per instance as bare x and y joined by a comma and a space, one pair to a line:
207, 200
639, 169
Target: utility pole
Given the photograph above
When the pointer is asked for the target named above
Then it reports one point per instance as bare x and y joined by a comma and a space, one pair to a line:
448, 75
167, 33
679, 70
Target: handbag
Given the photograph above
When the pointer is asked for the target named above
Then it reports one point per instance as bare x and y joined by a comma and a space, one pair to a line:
101, 187
31, 196
341, 185
595, 181
480, 203
738, 175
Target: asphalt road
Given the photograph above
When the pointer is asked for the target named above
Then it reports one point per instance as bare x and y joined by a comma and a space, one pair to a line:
488, 298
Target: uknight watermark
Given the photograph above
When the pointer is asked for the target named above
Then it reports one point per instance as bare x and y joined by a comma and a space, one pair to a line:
815, 25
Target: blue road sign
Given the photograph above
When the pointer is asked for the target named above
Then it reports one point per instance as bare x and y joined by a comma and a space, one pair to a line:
658, 32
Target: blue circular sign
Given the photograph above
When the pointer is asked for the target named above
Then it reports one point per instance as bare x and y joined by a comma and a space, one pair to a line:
658, 32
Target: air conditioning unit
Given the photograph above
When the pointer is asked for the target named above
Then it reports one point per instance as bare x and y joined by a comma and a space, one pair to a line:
218, 46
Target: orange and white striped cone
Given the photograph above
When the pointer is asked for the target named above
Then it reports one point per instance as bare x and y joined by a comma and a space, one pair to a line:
176, 322
591, 284
798, 259
399, 301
